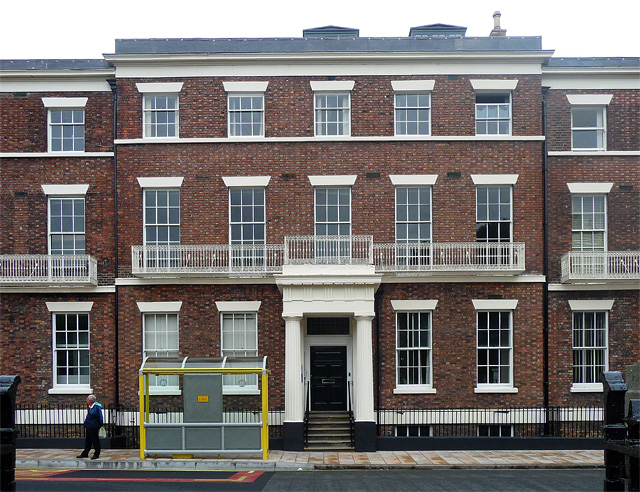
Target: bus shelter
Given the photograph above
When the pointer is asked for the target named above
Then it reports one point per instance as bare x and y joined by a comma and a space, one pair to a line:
201, 428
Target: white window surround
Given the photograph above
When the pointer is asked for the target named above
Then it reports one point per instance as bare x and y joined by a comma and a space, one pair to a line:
64, 102
83, 390
159, 87
495, 388
494, 179
159, 307
75, 307
252, 86
414, 305
65, 190
238, 306
332, 85
589, 99
493, 85
173, 182
591, 305
589, 188
325, 181
246, 181
412, 85
413, 179
494, 304
415, 389
586, 388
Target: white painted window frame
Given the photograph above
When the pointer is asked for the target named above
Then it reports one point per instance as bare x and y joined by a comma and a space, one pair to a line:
315, 209
73, 233
253, 206
411, 87
68, 308
148, 310
239, 308
246, 89
582, 231
500, 306
168, 224
590, 307
332, 87
499, 221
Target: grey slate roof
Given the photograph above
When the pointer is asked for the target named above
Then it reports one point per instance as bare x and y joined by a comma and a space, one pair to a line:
55, 65
323, 45
602, 62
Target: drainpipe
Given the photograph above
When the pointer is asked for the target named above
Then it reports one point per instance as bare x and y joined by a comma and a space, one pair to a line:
545, 267
378, 313
114, 98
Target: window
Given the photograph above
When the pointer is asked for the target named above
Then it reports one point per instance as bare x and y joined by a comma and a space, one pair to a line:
66, 130
333, 218
161, 224
493, 113
413, 348
495, 356
413, 114
240, 339
246, 115
332, 114
66, 226
413, 224
495, 430
588, 125
160, 339
590, 357
247, 225
160, 115
413, 430
588, 223
71, 349
494, 223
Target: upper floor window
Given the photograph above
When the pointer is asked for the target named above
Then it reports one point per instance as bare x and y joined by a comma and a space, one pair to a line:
245, 108
333, 211
589, 121
161, 217
66, 225
493, 114
160, 116
588, 126
332, 107
493, 106
493, 214
412, 106
588, 223
66, 123
160, 109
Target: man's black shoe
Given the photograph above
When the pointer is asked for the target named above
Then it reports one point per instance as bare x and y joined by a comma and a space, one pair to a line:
94, 457
82, 456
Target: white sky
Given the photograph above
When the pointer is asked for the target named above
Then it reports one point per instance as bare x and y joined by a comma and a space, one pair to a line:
38, 29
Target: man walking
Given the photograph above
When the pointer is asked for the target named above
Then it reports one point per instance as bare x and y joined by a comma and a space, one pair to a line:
92, 424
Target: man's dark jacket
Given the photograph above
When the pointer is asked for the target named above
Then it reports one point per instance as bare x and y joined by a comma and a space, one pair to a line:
93, 420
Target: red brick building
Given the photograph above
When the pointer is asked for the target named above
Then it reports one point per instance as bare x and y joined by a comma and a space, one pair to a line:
431, 222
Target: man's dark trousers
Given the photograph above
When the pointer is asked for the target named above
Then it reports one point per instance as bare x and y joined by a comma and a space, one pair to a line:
92, 438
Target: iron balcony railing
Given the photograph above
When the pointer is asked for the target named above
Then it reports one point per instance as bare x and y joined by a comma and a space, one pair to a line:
580, 266
450, 257
268, 259
207, 259
48, 269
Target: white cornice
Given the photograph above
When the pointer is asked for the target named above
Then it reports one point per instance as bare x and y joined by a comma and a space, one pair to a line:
332, 85
413, 85
589, 187
238, 306
169, 182
64, 102
159, 87
57, 289
494, 179
414, 305
413, 179
65, 190
480, 85
589, 99
486, 304
160, 307
35, 82
75, 307
245, 86
346, 180
246, 181
389, 138
591, 305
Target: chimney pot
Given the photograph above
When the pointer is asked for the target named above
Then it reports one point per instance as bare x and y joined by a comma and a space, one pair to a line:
497, 30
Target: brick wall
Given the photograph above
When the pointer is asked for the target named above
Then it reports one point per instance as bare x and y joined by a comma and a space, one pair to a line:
23, 121
624, 341
289, 106
623, 119
27, 328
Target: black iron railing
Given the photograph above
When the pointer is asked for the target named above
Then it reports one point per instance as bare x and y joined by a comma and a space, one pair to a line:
66, 421
504, 422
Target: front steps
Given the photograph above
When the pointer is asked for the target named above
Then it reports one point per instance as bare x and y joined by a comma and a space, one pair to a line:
328, 431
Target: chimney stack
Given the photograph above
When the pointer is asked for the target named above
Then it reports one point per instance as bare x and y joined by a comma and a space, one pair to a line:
497, 30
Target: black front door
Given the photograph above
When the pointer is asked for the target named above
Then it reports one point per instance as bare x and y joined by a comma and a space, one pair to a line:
328, 378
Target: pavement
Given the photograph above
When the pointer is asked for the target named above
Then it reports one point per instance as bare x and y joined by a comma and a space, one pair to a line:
129, 459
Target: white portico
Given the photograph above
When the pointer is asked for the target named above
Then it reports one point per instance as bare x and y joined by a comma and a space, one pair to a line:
313, 296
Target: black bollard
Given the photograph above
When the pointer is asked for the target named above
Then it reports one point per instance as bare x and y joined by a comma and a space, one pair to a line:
8, 434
